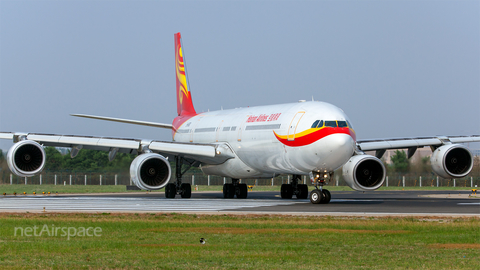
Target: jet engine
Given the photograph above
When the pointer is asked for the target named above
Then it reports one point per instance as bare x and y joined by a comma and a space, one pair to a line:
452, 161
364, 173
150, 171
26, 158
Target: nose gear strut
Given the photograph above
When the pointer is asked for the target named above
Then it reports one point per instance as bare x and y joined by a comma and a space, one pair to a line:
320, 195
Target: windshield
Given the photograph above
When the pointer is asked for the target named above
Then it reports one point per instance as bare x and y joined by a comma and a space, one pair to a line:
331, 123
342, 124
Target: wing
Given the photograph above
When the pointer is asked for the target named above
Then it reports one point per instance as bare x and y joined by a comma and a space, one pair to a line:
412, 144
128, 121
203, 153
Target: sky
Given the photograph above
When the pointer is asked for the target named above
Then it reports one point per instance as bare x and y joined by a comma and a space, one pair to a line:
397, 68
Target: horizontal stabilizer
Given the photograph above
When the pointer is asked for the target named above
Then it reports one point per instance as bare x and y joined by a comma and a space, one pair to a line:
127, 121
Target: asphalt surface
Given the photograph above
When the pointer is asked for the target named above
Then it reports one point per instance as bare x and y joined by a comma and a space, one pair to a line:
417, 203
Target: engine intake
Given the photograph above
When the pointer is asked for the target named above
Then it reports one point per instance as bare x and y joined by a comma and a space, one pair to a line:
150, 171
452, 161
26, 158
364, 173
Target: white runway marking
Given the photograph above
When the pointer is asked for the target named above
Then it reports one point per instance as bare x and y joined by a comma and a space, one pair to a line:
468, 203
130, 204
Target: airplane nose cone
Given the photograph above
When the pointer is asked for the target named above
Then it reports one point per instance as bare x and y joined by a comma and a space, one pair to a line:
342, 147
344, 142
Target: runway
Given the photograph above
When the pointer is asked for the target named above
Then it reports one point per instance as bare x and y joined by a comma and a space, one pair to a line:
377, 203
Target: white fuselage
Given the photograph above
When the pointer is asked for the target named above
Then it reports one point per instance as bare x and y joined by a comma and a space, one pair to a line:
250, 134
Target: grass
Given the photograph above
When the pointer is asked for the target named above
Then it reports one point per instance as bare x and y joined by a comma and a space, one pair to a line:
61, 189
171, 241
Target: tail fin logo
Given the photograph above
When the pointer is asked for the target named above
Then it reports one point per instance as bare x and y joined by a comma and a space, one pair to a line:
181, 75
184, 99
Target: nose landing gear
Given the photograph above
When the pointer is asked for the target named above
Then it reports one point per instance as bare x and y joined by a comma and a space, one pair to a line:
320, 195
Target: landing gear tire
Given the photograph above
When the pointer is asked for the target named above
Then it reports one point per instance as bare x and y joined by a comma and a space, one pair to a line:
186, 190
316, 196
228, 191
326, 197
286, 191
170, 191
303, 191
242, 191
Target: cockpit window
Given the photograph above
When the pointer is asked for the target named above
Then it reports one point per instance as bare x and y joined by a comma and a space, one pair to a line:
331, 123
317, 124
350, 125
342, 124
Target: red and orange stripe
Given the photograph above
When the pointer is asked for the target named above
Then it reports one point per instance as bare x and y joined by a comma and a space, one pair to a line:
312, 135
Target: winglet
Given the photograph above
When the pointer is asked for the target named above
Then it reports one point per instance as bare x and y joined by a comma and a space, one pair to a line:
184, 97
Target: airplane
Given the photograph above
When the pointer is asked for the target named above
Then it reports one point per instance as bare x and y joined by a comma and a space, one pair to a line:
299, 139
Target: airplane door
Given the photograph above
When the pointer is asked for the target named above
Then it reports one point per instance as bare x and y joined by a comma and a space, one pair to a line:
194, 125
218, 131
293, 126
240, 128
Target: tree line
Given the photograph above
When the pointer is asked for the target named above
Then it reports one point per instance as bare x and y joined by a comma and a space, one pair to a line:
86, 160
401, 164
93, 161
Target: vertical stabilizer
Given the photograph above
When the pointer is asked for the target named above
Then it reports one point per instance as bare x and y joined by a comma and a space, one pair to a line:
184, 98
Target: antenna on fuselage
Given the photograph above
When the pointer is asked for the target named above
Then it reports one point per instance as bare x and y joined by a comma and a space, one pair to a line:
312, 98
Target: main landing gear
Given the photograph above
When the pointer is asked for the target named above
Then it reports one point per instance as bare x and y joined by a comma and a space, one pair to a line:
235, 188
183, 189
294, 188
320, 195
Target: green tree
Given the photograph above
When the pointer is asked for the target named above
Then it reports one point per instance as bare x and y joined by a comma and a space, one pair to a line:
421, 165
55, 160
400, 162
93, 160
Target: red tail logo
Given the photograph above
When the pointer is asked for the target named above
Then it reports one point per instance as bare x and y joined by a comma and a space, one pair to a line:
184, 98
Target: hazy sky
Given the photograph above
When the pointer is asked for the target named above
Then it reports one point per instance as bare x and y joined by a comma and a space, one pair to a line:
397, 68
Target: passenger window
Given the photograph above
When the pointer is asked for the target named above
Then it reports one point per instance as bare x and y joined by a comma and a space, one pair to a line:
342, 124
314, 125
320, 125
331, 123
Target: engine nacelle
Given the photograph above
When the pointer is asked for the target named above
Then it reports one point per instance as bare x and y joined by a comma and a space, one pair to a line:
150, 171
26, 158
364, 173
452, 161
